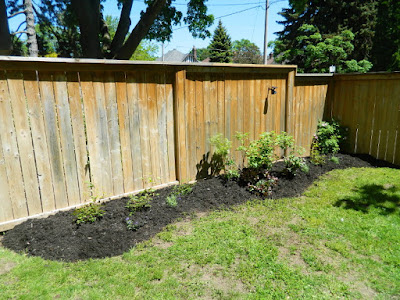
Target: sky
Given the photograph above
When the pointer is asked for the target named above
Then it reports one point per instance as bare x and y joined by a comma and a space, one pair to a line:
243, 19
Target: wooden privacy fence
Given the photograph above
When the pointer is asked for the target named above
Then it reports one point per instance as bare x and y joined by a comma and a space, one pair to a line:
120, 126
369, 105
123, 126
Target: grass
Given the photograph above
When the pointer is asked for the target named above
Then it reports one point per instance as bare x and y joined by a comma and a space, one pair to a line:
339, 240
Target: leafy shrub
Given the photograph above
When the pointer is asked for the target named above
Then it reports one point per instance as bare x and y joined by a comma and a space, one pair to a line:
264, 186
88, 213
328, 137
295, 163
140, 201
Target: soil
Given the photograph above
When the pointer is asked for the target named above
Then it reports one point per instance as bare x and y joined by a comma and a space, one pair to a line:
58, 237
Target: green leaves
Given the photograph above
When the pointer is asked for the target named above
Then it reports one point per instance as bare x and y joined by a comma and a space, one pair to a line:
221, 46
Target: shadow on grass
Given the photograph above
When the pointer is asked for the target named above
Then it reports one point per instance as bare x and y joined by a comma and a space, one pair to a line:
386, 198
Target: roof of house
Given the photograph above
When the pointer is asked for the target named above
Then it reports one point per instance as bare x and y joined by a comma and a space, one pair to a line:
173, 55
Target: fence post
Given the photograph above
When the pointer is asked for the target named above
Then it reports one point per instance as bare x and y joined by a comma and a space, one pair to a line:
181, 162
289, 126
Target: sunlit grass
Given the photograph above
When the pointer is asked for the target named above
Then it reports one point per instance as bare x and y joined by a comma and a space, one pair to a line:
340, 240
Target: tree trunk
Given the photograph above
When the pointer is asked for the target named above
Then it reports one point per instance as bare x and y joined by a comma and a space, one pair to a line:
5, 39
140, 30
88, 14
30, 29
123, 28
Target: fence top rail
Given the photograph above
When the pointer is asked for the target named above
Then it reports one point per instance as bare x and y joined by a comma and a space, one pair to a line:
368, 76
72, 64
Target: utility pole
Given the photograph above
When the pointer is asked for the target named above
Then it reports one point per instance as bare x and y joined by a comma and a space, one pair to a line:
265, 32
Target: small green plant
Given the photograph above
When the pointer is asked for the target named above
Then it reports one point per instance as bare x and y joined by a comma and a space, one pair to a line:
88, 213
222, 152
264, 186
140, 201
182, 189
316, 157
131, 225
295, 163
172, 200
334, 159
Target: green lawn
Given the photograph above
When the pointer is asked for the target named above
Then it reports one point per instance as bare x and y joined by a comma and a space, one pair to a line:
340, 240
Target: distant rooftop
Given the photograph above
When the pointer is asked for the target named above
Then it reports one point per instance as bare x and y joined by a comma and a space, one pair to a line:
177, 56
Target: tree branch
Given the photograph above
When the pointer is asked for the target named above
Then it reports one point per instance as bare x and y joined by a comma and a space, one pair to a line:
16, 14
105, 34
123, 27
17, 32
141, 29
21, 25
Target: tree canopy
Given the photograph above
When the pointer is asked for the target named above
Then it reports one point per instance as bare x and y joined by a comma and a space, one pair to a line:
79, 29
246, 52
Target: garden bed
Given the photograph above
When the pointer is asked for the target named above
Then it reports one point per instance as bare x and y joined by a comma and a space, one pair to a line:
58, 237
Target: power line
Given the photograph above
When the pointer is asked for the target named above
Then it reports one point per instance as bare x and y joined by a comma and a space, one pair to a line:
228, 15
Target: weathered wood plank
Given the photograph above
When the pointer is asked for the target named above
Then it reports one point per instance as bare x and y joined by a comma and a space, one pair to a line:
240, 117
228, 100
144, 130
102, 134
66, 138
10, 152
258, 108
180, 134
153, 127
207, 112
191, 126
6, 212
47, 99
124, 129
79, 134
24, 139
200, 132
113, 133
221, 103
393, 123
34, 108
170, 127
162, 127
136, 129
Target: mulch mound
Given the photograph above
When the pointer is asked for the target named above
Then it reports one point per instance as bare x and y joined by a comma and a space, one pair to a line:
58, 237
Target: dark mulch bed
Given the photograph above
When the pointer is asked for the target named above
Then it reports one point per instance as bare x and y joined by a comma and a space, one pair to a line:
59, 238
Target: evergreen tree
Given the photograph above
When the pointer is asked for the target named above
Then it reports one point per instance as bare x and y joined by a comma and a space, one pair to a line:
331, 17
221, 46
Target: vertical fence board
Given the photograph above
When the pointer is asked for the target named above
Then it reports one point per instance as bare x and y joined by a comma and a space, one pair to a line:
79, 134
124, 129
136, 130
170, 126
162, 127
153, 127
221, 103
24, 139
6, 211
191, 126
11, 153
53, 139
66, 138
113, 133
200, 132
43, 162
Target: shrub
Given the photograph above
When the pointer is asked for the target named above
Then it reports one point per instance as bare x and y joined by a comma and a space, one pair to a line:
88, 213
328, 137
182, 189
316, 157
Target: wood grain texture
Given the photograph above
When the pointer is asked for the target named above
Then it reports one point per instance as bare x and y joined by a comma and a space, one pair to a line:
40, 146
24, 139
47, 99
6, 211
10, 152
66, 138
113, 132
